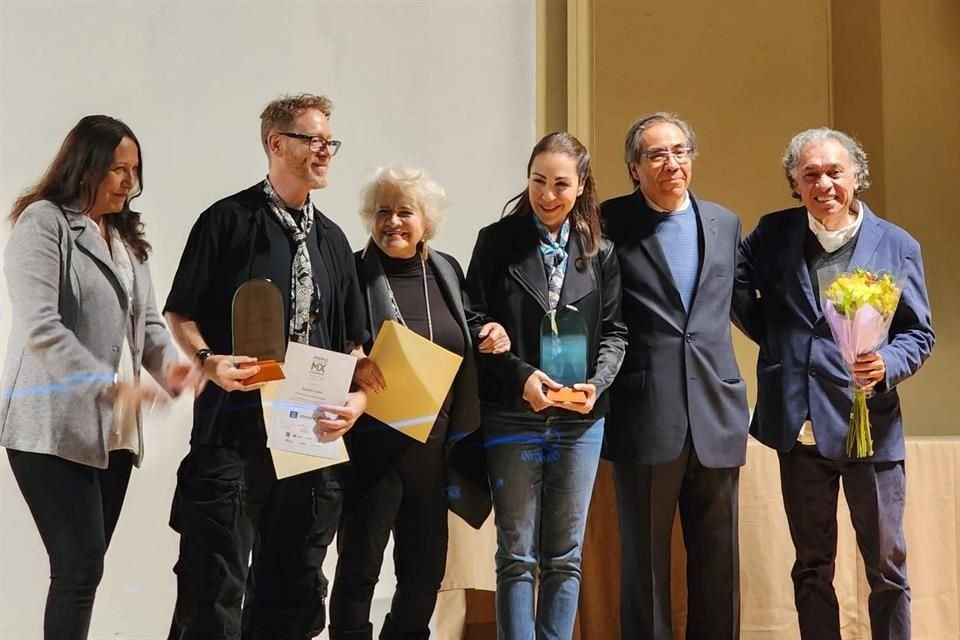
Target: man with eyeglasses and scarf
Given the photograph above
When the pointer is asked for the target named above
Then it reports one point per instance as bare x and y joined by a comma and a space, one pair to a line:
228, 502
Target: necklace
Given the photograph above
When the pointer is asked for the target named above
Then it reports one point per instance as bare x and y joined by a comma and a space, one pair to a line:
426, 298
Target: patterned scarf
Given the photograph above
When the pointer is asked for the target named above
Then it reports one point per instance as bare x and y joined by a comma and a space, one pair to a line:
554, 256
303, 291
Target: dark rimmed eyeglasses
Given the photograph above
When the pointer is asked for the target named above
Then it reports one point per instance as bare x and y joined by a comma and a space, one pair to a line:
316, 143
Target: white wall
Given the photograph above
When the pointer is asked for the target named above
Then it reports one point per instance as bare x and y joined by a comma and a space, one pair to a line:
445, 84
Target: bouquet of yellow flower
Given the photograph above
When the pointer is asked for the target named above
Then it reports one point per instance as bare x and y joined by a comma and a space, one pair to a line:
859, 307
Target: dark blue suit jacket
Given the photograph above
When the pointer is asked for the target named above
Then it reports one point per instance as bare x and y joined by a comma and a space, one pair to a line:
800, 372
680, 372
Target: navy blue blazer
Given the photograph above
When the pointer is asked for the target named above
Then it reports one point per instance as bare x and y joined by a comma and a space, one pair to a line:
800, 372
680, 372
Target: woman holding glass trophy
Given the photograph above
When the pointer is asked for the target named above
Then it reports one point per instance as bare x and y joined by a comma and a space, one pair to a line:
544, 273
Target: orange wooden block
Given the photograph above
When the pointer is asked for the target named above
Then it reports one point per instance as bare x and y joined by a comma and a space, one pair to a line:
567, 394
270, 370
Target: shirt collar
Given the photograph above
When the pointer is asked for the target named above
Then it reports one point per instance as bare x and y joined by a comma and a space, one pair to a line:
683, 205
833, 240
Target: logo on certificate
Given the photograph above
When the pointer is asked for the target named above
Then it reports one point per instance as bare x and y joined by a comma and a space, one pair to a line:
319, 365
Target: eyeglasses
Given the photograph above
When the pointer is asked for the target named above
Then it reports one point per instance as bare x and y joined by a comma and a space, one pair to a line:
660, 156
316, 143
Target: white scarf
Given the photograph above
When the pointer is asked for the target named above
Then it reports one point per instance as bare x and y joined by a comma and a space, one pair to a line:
833, 240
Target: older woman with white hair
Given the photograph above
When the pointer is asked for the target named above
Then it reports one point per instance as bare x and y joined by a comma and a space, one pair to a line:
398, 484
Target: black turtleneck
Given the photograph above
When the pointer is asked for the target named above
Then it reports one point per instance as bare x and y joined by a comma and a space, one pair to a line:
406, 280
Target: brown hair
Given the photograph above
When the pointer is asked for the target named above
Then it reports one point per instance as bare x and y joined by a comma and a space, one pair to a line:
585, 214
280, 114
77, 171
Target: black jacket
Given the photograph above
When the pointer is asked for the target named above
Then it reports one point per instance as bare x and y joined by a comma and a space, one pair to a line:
238, 239
374, 448
506, 283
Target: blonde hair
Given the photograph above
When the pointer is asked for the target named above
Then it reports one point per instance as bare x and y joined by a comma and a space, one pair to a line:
280, 114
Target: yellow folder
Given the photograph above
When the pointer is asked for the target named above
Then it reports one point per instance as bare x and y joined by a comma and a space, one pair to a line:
418, 374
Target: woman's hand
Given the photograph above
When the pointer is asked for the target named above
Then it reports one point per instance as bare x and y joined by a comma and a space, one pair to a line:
533, 390
494, 338
329, 429
181, 376
128, 397
368, 376
224, 372
582, 407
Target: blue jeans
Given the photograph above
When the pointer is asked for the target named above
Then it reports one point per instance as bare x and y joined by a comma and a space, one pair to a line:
541, 471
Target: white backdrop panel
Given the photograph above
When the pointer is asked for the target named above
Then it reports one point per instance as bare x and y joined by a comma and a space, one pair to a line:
448, 85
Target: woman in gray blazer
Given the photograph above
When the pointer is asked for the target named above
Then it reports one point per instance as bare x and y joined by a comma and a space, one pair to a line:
84, 324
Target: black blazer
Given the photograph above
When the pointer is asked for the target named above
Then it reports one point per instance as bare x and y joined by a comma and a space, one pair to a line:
506, 283
680, 368
375, 447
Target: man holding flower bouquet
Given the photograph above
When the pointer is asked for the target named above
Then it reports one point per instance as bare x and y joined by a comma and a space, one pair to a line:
834, 254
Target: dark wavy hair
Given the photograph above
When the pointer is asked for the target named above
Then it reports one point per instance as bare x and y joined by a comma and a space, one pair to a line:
77, 171
585, 214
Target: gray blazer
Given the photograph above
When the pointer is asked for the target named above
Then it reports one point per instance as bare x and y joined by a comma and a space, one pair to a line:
69, 313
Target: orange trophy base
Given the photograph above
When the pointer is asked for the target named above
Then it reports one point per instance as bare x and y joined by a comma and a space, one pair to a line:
270, 370
567, 394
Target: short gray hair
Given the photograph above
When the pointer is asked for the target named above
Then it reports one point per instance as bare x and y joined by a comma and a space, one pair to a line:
791, 156
633, 145
414, 182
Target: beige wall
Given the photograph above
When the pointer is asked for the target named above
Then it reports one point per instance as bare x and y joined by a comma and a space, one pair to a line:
920, 86
444, 85
750, 73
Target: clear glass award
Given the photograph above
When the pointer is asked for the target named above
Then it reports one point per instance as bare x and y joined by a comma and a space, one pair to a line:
563, 352
258, 329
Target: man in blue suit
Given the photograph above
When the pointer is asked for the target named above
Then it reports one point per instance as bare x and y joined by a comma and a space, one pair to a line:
804, 401
677, 427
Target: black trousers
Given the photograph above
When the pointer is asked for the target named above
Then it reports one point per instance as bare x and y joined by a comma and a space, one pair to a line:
409, 501
876, 496
76, 508
229, 503
647, 499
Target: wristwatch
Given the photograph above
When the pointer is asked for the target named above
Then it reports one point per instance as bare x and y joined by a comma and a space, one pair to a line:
201, 355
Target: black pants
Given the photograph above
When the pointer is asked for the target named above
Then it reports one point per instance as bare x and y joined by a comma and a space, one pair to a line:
229, 503
410, 501
647, 499
76, 508
876, 496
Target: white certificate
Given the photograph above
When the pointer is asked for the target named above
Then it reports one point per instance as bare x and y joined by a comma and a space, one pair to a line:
313, 377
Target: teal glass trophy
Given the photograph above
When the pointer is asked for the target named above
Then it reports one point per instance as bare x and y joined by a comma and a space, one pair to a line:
563, 352
258, 329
